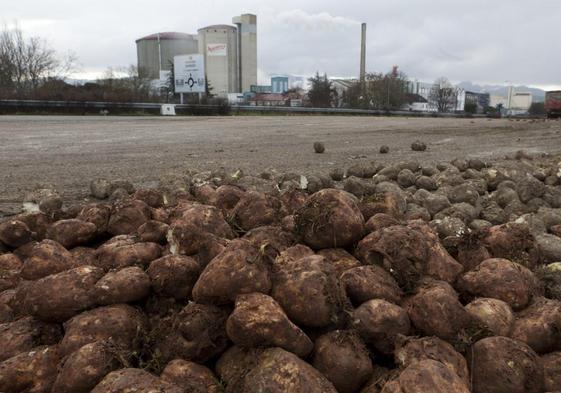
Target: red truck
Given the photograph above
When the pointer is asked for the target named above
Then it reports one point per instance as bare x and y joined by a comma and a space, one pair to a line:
553, 104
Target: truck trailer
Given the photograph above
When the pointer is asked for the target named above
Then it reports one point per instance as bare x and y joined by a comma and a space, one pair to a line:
553, 104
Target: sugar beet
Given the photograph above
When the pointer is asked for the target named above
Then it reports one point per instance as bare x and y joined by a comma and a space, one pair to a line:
408, 252
127, 285
46, 258
240, 268
427, 376
136, 380
370, 282
539, 325
436, 311
34, 371
121, 324
259, 321
270, 374
61, 296
174, 276
72, 233
308, 291
330, 219
495, 315
84, 368
380, 322
504, 365
410, 350
344, 359
490, 279
191, 377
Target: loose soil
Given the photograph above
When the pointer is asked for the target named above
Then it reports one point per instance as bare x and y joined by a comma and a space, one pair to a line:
69, 151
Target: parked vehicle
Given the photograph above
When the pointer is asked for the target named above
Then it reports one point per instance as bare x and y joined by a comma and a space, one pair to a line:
553, 104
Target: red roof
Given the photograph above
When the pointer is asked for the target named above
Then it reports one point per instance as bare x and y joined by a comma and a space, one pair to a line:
218, 27
268, 97
170, 35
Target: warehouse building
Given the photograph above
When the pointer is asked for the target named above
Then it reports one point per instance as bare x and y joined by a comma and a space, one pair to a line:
230, 53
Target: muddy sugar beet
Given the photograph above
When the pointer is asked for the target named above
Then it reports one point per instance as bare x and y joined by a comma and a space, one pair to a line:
384, 278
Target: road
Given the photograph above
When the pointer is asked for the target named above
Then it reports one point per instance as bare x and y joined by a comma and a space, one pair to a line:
69, 151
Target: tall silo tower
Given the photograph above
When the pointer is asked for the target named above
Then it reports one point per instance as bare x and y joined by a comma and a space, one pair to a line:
219, 44
247, 50
155, 52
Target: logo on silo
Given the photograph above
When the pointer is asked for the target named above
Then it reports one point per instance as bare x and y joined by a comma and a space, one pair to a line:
217, 50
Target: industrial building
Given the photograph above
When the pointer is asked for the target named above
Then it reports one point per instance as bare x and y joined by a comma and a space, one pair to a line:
520, 103
261, 89
247, 50
219, 45
517, 103
422, 89
155, 52
480, 101
230, 53
279, 84
269, 99
416, 103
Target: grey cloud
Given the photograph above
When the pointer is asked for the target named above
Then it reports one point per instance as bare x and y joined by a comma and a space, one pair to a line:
301, 20
473, 40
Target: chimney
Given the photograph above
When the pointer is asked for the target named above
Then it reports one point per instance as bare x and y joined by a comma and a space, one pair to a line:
363, 55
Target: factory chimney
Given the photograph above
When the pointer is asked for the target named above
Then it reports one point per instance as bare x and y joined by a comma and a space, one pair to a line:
363, 56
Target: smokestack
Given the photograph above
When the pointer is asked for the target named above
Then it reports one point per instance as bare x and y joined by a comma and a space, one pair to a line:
363, 55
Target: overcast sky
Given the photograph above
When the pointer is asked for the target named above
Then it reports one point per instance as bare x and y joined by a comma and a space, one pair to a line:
464, 40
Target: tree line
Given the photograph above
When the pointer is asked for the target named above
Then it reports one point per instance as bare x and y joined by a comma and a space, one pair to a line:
389, 91
31, 69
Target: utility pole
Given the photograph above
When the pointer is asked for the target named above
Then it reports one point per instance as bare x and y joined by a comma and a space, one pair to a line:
509, 96
159, 56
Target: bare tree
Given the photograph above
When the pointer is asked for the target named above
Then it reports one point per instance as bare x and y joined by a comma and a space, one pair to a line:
125, 84
382, 91
443, 96
26, 63
387, 91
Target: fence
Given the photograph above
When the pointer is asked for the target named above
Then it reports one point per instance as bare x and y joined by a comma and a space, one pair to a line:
34, 106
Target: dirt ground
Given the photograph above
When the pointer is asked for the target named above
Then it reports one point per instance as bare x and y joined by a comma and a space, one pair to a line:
68, 151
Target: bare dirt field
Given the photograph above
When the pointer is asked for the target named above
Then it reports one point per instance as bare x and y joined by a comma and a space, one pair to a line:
69, 151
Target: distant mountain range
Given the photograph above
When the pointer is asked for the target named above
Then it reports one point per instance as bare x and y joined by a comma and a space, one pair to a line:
499, 90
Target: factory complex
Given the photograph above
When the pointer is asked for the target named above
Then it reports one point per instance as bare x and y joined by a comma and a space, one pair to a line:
225, 57
229, 51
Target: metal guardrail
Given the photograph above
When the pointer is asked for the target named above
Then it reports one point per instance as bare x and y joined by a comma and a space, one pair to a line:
343, 111
76, 104
85, 105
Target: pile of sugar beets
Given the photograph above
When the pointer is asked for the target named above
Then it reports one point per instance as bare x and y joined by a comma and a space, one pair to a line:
380, 278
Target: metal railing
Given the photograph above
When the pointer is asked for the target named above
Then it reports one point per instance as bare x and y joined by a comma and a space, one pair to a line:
96, 105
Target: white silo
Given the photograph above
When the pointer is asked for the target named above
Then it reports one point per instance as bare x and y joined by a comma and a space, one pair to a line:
219, 45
